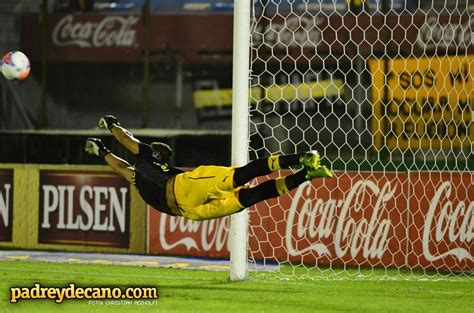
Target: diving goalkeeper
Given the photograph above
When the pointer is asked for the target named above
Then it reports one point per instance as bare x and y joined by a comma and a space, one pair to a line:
206, 192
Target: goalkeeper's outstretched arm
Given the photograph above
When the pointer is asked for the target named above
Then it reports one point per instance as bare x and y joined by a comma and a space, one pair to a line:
125, 138
95, 146
121, 134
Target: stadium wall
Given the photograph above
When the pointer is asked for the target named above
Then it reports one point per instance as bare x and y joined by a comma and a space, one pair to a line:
402, 219
69, 208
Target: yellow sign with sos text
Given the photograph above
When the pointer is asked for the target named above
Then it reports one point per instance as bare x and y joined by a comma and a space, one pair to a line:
427, 102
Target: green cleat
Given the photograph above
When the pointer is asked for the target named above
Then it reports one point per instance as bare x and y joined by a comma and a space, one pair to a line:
310, 160
322, 172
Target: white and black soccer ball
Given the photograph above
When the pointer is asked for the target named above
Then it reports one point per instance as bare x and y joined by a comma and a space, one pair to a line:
15, 65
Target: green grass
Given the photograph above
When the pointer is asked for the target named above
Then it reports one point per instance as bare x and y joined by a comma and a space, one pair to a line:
202, 291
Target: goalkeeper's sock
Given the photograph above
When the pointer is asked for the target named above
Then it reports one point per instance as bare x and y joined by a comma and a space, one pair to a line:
271, 188
264, 166
263, 191
277, 162
293, 181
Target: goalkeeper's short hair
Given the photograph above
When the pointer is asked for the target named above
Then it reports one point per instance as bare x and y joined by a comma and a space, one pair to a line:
164, 150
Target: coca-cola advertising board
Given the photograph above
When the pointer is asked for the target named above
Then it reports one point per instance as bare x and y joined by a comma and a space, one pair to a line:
84, 207
93, 38
354, 219
6, 204
442, 220
366, 219
119, 37
180, 236
197, 37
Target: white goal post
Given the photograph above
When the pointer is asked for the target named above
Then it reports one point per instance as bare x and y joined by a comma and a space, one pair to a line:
240, 120
384, 90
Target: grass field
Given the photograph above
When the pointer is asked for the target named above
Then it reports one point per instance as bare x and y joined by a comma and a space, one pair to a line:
204, 291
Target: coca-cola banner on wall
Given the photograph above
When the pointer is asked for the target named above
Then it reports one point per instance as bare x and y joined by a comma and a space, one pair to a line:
177, 235
368, 219
196, 38
77, 37
119, 37
110, 31
354, 219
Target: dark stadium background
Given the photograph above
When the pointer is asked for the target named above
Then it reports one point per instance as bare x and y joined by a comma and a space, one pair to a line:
70, 93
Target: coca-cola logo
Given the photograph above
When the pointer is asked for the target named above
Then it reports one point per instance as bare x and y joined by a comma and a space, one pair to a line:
314, 220
213, 234
295, 31
110, 31
452, 223
450, 35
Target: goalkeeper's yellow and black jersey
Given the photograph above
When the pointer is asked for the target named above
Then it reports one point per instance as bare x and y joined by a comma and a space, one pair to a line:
151, 174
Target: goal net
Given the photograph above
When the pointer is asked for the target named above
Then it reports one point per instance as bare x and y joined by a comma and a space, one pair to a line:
384, 91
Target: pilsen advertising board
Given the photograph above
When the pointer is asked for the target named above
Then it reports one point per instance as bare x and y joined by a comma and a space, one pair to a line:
196, 38
84, 208
428, 102
6, 204
391, 219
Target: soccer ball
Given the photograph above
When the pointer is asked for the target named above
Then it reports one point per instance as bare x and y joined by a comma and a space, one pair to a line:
15, 65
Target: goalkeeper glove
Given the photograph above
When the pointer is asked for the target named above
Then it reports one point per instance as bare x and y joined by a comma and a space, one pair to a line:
108, 121
95, 146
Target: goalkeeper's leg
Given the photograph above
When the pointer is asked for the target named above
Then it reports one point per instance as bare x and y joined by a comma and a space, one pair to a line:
276, 187
260, 167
